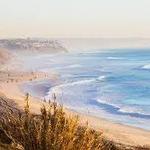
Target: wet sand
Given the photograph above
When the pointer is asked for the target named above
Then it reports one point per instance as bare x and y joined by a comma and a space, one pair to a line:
10, 87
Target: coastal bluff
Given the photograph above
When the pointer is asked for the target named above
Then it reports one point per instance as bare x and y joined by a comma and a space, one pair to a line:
33, 45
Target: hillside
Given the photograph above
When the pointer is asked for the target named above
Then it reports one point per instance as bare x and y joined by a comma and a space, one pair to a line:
37, 45
4, 56
51, 129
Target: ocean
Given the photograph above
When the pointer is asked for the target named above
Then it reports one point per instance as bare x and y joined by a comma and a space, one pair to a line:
110, 84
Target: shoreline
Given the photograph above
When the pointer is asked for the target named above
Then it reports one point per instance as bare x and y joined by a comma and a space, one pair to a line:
116, 132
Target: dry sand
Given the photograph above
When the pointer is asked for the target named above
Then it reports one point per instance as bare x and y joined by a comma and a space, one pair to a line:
113, 131
11, 81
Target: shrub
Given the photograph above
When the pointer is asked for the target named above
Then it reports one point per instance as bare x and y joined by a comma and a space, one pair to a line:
51, 130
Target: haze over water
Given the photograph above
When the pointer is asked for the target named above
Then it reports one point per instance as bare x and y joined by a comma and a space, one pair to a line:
113, 84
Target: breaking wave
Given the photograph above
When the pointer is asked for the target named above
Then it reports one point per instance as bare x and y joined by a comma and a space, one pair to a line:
146, 67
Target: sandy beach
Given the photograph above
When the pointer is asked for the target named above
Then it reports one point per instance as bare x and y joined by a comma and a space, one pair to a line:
75, 75
119, 133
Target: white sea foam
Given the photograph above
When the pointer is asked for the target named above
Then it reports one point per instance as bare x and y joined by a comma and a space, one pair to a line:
59, 88
146, 66
74, 66
107, 102
80, 82
101, 78
122, 108
115, 58
129, 109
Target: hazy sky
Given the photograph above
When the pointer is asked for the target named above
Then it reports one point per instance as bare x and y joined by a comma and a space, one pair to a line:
74, 18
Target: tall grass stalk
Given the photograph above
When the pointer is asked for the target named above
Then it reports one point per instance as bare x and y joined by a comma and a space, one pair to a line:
52, 129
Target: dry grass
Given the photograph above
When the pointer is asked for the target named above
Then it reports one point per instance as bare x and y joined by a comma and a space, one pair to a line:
51, 130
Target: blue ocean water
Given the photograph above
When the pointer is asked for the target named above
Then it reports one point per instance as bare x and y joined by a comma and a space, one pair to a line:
113, 84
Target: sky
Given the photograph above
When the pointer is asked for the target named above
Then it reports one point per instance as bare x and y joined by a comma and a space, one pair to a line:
74, 18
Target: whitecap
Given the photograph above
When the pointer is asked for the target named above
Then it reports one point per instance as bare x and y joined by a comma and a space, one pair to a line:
115, 58
59, 88
134, 110
146, 67
124, 108
74, 66
101, 78
107, 102
68, 66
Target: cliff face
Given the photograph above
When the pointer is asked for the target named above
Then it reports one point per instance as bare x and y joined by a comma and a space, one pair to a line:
51, 46
5, 56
